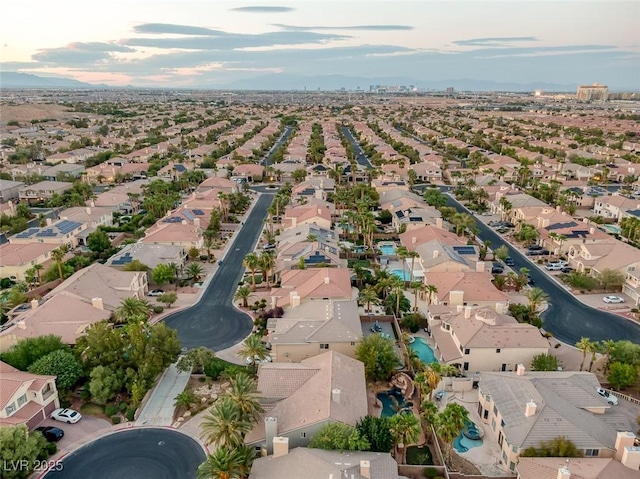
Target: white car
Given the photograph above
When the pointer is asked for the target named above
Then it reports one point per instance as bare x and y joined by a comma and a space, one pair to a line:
611, 399
66, 415
156, 292
613, 299
257, 360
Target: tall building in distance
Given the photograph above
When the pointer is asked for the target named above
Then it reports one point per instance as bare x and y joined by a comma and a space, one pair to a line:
595, 92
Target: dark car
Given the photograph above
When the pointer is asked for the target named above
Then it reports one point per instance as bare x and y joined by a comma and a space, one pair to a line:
509, 261
567, 269
497, 268
538, 252
534, 247
51, 433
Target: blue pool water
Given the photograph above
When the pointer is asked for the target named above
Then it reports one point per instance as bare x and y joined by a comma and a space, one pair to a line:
387, 249
424, 351
463, 443
390, 400
401, 274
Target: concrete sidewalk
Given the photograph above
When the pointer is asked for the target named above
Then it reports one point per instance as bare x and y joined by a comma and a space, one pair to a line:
158, 410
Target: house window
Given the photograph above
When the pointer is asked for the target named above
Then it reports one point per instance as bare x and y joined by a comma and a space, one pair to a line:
493, 424
10, 409
353, 343
514, 449
512, 466
324, 346
502, 423
21, 400
303, 435
497, 350
504, 456
465, 366
467, 351
591, 452
495, 410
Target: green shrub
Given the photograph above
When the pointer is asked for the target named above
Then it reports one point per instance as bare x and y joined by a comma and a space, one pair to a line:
158, 309
110, 409
430, 472
123, 407
116, 419
51, 448
131, 414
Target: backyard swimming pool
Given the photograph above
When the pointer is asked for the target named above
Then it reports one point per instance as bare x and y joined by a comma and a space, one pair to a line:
424, 351
401, 274
463, 442
392, 401
387, 249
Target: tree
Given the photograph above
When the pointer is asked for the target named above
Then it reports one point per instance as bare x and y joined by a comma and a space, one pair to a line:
449, 423
58, 255
243, 393
27, 351
428, 379
224, 425
243, 293
369, 296
375, 430
62, 364
595, 349
434, 197
168, 298
253, 348
163, 273
185, 400
194, 272
405, 430
584, 345
104, 384
252, 263
337, 436
611, 279
193, 253
17, 445
544, 362
501, 252
622, 375
266, 263
557, 447
536, 297
131, 309
224, 463
379, 357
98, 241
135, 265
195, 360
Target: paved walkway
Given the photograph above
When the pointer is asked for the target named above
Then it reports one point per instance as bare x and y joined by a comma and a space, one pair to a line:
158, 410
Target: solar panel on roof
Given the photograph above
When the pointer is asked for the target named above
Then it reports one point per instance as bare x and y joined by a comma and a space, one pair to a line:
188, 215
66, 226
464, 250
198, 212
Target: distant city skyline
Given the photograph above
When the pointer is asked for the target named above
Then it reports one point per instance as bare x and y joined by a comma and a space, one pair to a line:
199, 44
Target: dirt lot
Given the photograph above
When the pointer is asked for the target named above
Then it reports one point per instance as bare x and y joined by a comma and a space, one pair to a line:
40, 111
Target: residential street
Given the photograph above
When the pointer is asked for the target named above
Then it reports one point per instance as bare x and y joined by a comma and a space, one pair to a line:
213, 321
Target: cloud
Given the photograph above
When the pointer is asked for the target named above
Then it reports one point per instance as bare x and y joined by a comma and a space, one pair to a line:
79, 53
493, 41
294, 28
232, 41
263, 9
171, 28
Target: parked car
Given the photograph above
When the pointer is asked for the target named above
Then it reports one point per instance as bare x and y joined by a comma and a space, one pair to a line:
51, 433
534, 247
269, 246
156, 292
611, 399
559, 262
567, 269
538, 252
613, 299
509, 261
553, 267
66, 415
497, 268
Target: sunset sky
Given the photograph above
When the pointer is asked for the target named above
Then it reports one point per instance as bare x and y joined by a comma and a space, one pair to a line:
213, 43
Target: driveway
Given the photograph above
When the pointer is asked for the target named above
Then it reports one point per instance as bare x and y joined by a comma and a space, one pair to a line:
82, 431
567, 318
214, 322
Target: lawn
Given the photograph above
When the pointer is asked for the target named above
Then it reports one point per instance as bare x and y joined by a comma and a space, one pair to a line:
363, 263
92, 409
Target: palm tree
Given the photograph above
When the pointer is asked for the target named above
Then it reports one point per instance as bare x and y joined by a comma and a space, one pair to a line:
429, 414
596, 347
405, 430
413, 255
368, 296
58, 255
132, 308
194, 272
584, 345
185, 399
252, 263
403, 254
243, 393
449, 424
243, 293
224, 463
37, 268
253, 348
266, 262
432, 293
224, 425
416, 286
607, 347
536, 298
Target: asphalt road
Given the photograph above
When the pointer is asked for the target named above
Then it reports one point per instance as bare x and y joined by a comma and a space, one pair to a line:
361, 158
140, 453
566, 318
214, 322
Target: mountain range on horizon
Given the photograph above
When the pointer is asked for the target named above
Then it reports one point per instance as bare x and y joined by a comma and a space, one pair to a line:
275, 82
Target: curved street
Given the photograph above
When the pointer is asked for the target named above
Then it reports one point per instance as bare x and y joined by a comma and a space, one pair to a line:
140, 453
567, 318
214, 322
